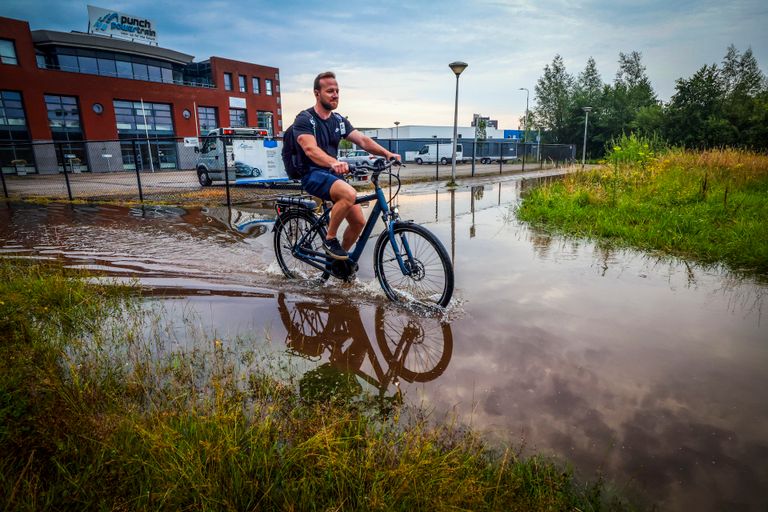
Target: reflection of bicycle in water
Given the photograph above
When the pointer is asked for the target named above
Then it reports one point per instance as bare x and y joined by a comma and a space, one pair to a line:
412, 348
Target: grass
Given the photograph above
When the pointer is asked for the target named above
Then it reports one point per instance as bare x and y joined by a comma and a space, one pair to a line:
706, 206
95, 414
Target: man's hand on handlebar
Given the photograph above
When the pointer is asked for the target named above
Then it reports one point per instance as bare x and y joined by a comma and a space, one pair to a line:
340, 167
393, 157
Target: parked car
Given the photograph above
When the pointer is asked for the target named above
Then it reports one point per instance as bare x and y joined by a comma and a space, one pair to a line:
358, 156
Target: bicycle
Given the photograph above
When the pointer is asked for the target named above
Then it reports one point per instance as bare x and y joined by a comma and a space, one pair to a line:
409, 261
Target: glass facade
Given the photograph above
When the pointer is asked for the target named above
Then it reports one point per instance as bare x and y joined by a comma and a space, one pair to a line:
66, 128
148, 125
207, 119
238, 117
13, 128
114, 64
8, 52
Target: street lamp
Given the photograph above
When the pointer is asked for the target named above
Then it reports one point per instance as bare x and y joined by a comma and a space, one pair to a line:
397, 137
457, 67
525, 126
584, 148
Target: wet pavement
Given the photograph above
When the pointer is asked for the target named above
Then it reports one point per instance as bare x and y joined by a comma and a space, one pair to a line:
649, 370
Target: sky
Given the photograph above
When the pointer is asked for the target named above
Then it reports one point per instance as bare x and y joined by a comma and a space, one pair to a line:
391, 58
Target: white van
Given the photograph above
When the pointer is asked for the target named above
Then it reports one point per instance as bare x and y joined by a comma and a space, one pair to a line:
431, 153
251, 157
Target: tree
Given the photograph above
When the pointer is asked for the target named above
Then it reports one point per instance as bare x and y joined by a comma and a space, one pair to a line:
741, 73
695, 117
553, 101
588, 92
630, 92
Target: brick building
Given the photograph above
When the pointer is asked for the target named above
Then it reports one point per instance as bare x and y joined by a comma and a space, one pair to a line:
94, 94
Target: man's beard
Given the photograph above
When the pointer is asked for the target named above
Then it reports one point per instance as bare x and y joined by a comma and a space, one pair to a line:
327, 106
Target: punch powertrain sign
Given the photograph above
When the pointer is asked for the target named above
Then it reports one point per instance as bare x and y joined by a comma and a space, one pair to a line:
111, 23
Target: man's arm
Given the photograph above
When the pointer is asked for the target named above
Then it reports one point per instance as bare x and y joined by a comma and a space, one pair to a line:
309, 145
370, 145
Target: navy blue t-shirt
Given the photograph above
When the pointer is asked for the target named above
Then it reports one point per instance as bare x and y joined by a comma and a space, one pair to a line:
327, 132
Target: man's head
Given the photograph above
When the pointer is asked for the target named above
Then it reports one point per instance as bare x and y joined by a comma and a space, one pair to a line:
327, 90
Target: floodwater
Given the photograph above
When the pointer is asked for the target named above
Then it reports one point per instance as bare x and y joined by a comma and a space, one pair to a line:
648, 370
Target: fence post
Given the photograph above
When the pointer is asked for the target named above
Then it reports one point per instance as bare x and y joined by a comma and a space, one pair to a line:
226, 177
501, 154
136, 167
474, 152
5, 188
437, 160
523, 169
66, 175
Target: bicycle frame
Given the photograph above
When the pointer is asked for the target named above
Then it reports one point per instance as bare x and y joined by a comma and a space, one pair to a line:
390, 217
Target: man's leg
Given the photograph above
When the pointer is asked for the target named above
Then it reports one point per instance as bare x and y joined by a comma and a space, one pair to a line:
343, 196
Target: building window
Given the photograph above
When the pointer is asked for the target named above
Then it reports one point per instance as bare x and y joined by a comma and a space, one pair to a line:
63, 113
256, 85
241, 83
64, 121
88, 65
227, 81
238, 117
265, 121
12, 110
8, 52
268, 87
16, 151
207, 119
151, 126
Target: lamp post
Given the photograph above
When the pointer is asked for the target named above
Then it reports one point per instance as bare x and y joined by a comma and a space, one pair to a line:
397, 137
457, 67
525, 126
586, 123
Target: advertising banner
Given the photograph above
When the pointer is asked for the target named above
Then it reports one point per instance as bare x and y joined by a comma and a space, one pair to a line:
107, 22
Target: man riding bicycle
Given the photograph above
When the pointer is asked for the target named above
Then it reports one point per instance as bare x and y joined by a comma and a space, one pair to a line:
318, 131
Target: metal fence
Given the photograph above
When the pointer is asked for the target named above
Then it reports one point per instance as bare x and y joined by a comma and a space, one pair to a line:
164, 170
150, 169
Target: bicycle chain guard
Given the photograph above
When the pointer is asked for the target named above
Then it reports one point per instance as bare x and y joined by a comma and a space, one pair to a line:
343, 269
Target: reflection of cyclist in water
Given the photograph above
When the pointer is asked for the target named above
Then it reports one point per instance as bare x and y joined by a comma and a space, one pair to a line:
414, 349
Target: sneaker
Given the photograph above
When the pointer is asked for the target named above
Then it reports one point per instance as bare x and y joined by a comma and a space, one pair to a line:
334, 249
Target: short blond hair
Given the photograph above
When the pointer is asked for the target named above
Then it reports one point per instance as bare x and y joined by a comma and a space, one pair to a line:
325, 74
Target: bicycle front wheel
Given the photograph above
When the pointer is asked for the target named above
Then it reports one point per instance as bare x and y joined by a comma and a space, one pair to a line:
290, 227
429, 274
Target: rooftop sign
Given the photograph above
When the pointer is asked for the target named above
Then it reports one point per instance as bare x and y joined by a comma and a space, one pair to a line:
107, 22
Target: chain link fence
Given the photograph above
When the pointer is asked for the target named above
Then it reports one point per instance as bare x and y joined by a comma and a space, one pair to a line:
183, 171
504, 154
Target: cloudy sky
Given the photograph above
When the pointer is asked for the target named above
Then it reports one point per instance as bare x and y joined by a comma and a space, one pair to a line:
392, 58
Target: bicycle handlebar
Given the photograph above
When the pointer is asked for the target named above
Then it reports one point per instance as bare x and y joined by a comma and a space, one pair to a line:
376, 170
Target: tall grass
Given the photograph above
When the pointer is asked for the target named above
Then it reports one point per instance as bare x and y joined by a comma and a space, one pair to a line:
94, 416
707, 206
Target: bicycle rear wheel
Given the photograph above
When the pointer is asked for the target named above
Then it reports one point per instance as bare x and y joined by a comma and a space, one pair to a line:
430, 280
289, 228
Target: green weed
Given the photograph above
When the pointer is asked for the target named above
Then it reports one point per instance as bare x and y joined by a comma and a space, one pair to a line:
707, 206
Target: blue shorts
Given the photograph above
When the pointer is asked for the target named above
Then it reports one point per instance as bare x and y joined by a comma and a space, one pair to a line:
318, 182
